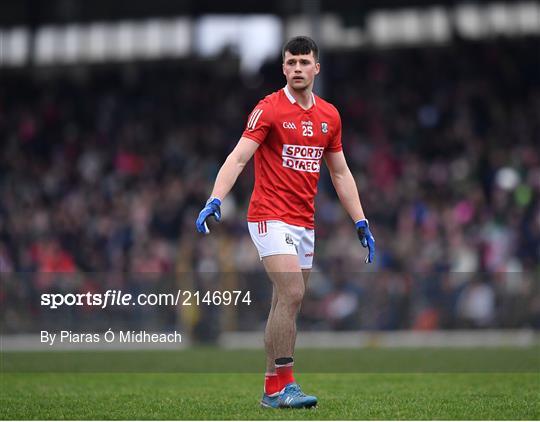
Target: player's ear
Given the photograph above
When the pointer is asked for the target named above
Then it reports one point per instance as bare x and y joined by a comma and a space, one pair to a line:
283, 68
317, 68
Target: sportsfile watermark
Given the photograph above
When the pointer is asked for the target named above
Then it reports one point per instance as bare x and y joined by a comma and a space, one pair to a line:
109, 336
380, 321
119, 298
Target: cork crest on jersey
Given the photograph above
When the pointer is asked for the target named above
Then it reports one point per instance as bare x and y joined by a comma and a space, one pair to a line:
324, 127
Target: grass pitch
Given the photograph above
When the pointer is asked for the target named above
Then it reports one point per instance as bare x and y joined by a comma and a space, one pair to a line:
376, 394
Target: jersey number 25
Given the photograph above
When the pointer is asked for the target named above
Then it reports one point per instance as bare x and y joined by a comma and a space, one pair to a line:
307, 130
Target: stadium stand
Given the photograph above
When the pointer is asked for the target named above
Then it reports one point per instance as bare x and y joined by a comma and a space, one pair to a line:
103, 168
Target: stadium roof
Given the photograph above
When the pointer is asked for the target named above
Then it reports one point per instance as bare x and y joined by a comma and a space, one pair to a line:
38, 12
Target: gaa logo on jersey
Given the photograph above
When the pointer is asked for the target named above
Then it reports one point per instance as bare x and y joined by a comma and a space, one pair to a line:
324, 127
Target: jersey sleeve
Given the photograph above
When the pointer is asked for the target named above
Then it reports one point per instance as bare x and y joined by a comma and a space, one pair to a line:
259, 122
334, 145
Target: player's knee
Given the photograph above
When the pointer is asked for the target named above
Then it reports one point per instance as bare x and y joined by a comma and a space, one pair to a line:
295, 296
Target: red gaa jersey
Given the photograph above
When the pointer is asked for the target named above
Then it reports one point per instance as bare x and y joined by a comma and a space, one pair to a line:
288, 161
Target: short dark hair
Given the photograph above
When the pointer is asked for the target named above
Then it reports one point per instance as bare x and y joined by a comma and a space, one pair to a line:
300, 45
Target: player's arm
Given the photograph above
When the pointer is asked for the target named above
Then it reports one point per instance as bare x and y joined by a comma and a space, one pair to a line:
233, 166
225, 180
344, 184
347, 192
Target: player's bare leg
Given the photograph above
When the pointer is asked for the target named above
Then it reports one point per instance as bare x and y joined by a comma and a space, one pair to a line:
286, 276
305, 276
268, 344
288, 290
271, 381
272, 385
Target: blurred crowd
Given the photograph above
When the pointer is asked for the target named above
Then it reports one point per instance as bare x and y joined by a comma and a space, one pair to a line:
104, 168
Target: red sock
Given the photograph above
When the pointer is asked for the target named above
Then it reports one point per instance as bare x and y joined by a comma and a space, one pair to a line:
285, 374
271, 384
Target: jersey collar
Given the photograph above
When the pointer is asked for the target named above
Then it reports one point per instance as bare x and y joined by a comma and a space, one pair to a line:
291, 98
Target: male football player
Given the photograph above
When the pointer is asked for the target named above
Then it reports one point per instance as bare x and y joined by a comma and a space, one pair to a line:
290, 132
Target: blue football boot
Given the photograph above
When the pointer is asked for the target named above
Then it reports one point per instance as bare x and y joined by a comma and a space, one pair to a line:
293, 397
270, 401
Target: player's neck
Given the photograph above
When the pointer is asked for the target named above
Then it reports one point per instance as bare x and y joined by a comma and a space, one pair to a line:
304, 97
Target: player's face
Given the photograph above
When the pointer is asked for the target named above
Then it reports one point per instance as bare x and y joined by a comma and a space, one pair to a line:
300, 70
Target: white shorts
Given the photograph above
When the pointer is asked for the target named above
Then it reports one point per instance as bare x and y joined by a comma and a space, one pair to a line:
278, 238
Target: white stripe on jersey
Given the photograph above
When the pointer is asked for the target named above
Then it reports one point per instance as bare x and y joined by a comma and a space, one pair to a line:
251, 116
252, 122
256, 119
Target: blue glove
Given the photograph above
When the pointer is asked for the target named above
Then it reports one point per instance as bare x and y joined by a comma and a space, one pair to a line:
213, 207
366, 239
